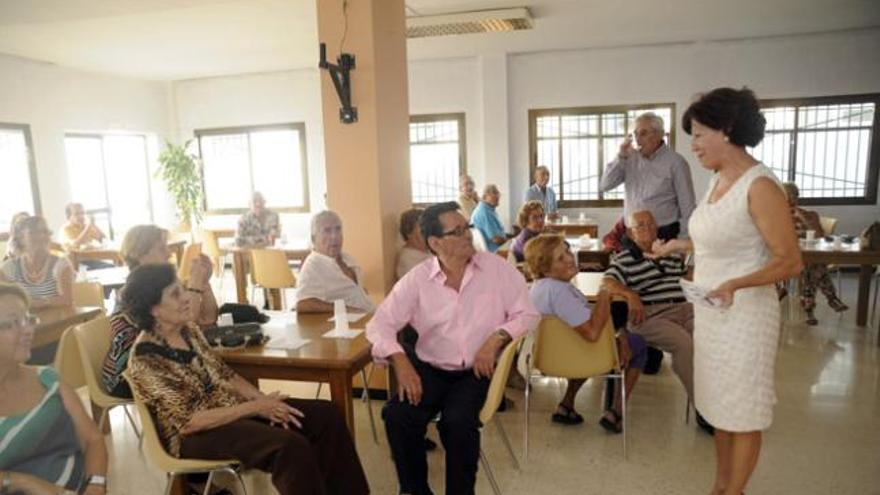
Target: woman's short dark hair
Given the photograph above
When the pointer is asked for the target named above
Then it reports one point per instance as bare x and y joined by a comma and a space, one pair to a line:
409, 220
736, 113
430, 222
143, 291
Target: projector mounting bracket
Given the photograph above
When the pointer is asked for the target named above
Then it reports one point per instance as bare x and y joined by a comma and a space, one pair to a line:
340, 75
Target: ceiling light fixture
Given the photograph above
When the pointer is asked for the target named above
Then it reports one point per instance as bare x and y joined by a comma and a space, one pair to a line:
482, 21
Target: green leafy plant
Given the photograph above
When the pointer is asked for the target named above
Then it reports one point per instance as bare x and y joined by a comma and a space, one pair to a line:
181, 172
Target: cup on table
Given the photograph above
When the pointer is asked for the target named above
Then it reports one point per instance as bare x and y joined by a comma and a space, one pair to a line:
582, 218
810, 235
565, 219
340, 314
225, 319
838, 242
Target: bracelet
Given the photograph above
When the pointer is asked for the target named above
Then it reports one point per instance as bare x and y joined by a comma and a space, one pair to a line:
193, 289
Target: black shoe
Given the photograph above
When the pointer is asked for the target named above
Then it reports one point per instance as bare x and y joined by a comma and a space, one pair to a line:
655, 359
430, 445
505, 404
704, 425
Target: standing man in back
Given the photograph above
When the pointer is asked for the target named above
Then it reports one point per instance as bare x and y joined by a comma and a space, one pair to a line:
655, 178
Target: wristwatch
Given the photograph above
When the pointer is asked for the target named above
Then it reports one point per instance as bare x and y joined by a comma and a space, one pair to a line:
97, 479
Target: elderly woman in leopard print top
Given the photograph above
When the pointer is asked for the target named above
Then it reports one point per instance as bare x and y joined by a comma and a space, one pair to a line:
204, 410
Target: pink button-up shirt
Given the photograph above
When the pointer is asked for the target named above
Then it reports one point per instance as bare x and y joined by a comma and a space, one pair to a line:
452, 326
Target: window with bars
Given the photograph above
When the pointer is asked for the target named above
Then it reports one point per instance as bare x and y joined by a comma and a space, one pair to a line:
18, 189
436, 157
109, 174
236, 162
577, 143
825, 146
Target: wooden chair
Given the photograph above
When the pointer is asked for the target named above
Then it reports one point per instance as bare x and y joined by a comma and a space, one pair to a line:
93, 341
88, 294
173, 466
493, 399
192, 251
270, 270
560, 351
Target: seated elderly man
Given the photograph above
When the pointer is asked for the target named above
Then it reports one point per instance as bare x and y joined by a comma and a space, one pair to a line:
80, 231
259, 227
466, 306
658, 310
329, 274
487, 221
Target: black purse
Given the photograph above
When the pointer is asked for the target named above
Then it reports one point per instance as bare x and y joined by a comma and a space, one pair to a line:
238, 335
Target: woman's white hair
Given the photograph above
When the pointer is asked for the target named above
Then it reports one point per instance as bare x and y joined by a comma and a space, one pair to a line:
655, 120
322, 216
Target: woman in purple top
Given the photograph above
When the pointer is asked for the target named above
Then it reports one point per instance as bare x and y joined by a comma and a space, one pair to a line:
549, 260
531, 219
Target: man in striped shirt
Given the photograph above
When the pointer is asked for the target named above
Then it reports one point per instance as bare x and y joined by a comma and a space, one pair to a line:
658, 310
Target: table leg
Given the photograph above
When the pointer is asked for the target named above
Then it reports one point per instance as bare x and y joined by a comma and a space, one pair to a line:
238, 270
340, 394
865, 273
274, 296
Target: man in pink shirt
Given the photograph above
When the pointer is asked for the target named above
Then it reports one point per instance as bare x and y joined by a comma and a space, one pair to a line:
465, 307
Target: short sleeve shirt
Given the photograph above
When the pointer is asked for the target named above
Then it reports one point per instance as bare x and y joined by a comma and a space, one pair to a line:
560, 299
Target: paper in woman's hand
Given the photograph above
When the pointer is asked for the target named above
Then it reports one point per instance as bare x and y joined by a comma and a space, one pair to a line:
698, 295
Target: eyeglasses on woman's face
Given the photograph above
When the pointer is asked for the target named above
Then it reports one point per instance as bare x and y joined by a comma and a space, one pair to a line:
19, 323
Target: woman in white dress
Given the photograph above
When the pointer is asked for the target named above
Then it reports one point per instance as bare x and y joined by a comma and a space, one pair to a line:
744, 241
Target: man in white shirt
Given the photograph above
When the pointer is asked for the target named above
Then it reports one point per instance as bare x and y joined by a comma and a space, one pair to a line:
329, 274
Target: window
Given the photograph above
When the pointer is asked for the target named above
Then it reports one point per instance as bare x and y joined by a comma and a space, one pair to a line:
109, 174
18, 189
436, 157
577, 143
824, 145
236, 162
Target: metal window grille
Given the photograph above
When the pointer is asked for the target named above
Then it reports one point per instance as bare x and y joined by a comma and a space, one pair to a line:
436, 157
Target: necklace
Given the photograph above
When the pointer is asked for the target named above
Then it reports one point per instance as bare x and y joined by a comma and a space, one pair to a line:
34, 274
191, 357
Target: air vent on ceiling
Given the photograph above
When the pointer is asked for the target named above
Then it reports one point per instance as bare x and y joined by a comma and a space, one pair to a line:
483, 21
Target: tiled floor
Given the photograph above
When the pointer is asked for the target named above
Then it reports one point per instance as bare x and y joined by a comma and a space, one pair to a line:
825, 438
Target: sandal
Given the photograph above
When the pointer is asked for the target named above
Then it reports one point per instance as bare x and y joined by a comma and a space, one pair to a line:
611, 426
571, 417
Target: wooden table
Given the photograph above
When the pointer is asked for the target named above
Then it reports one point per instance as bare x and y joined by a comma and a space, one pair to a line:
53, 323
111, 252
849, 254
113, 277
333, 361
295, 250
574, 229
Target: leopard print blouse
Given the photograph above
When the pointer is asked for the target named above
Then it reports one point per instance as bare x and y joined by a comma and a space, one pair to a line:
175, 384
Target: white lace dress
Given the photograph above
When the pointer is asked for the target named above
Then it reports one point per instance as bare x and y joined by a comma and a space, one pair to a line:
735, 349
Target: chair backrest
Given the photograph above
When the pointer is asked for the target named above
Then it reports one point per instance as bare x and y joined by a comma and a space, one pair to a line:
88, 294
67, 360
210, 244
270, 269
93, 341
828, 224
479, 242
499, 381
560, 351
192, 251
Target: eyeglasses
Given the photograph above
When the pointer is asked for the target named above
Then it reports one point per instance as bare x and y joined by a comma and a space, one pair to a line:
19, 323
459, 231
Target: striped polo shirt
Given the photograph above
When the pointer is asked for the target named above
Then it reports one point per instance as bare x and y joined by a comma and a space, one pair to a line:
655, 281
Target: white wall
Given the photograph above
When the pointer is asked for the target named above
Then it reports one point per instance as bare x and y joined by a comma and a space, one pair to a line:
54, 100
842, 63
271, 98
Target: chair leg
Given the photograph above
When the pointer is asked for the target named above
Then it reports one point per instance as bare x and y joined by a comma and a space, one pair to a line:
876, 289
623, 409
132, 423
526, 420
209, 483
489, 473
366, 396
318, 392
169, 483
237, 474
687, 411
104, 413
507, 443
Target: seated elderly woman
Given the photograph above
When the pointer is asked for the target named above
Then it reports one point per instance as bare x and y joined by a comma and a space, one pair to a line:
328, 274
549, 259
11, 252
415, 250
531, 219
48, 279
814, 275
48, 444
204, 410
148, 245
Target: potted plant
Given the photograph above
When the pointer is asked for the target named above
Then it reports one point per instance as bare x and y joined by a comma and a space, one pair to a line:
180, 170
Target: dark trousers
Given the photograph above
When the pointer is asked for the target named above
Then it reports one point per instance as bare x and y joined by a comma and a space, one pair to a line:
458, 396
319, 459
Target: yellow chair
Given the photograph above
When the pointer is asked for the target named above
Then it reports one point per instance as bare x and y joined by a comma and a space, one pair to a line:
192, 251
88, 294
211, 248
68, 362
493, 399
270, 270
93, 341
560, 351
173, 466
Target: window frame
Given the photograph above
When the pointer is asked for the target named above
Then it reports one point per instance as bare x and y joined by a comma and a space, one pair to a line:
32, 162
460, 117
873, 165
247, 129
534, 114
108, 210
